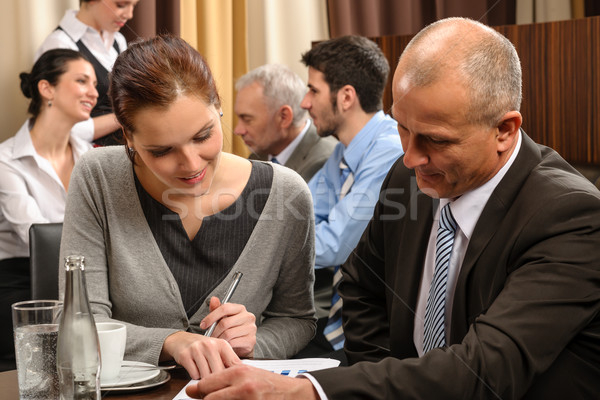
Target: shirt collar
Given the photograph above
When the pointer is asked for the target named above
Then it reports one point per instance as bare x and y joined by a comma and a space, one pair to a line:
286, 153
23, 146
468, 207
77, 29
72, 26
353, 154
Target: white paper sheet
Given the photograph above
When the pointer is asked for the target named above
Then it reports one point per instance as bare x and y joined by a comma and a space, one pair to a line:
285, 367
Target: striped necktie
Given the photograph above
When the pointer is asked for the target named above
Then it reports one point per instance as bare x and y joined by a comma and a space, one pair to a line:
346, 177
434, 334
333, 329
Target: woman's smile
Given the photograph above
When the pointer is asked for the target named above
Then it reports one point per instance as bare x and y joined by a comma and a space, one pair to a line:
194, 179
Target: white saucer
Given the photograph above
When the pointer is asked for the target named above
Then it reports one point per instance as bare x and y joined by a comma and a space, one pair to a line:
129, 376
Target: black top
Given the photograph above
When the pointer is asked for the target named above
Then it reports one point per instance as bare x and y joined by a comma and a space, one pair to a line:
200, 264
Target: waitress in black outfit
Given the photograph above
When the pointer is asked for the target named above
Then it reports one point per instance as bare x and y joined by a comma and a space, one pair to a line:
94, 31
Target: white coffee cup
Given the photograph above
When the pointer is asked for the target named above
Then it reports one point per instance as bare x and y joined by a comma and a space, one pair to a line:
112, 337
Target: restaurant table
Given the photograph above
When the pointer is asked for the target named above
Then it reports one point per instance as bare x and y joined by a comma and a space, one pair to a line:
179, 378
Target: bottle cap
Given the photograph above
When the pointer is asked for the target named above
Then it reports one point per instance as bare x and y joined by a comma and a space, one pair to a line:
74, 262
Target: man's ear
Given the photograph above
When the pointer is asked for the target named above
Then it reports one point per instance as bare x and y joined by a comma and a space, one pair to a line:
346, 97
286, 116
508, 128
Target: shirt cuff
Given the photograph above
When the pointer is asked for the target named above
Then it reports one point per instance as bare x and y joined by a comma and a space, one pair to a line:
315, 383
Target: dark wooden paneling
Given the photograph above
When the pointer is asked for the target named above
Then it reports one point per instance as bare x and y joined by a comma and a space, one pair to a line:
392, 47
561, 83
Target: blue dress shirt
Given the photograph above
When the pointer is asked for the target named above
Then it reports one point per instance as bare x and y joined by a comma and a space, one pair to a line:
339, 224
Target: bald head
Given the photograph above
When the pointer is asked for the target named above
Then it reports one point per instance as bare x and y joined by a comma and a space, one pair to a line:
484, 60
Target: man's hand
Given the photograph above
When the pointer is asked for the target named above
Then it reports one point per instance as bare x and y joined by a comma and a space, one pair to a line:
245, 382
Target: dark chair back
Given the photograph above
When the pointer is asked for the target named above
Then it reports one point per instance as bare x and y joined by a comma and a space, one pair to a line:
44, 250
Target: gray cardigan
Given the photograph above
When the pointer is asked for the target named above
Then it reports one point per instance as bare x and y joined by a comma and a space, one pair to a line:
129, 281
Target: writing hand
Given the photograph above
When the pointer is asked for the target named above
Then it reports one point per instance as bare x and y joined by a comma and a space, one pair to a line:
198, 354
235, 325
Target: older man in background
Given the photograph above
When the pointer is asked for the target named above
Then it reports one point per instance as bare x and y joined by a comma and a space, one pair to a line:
272, 123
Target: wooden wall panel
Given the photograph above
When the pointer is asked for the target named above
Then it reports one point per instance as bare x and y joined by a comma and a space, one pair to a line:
561, 83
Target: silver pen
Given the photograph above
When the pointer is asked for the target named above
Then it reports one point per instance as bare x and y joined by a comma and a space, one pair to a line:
236, 279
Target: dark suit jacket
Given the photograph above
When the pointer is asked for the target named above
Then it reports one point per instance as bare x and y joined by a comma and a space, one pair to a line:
525, 319
310, 154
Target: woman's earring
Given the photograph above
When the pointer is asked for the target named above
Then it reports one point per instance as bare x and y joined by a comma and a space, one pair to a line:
221, 113
130, 153
49, 103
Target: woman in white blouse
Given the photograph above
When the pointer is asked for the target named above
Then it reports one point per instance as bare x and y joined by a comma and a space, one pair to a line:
36, 165
94, 31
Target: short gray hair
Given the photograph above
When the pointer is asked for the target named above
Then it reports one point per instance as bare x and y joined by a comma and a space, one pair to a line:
488, 62
281, 86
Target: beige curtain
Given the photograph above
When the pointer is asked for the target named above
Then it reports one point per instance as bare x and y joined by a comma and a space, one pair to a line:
578, 8
238, 35
24, 24
279, 31
217, 29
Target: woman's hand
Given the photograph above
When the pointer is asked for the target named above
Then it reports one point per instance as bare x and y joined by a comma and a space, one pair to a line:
198, 354
235, 325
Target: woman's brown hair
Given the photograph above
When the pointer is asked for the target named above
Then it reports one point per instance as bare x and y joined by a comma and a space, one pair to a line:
156, 72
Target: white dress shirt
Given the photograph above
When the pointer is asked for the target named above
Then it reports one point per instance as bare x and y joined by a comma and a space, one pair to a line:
286, 153
30, 191
101, 47
73, 30
466, 211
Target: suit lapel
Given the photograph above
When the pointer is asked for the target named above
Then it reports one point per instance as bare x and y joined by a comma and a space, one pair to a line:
303, 149
491, 217
406, 269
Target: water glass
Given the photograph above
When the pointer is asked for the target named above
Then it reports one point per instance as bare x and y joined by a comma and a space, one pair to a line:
35, 327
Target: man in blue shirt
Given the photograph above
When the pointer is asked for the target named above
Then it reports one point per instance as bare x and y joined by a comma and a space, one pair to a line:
346, 79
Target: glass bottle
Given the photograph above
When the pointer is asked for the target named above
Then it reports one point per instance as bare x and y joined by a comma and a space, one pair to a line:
78, 356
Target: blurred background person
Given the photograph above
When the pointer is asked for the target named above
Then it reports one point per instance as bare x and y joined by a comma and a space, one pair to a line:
36, 165
272, 123
94, 31
346, 80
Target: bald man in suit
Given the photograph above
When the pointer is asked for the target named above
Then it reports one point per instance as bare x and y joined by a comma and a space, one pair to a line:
505, 229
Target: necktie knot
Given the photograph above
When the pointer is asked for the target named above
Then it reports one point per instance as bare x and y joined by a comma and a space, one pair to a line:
343, 164
447, 221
